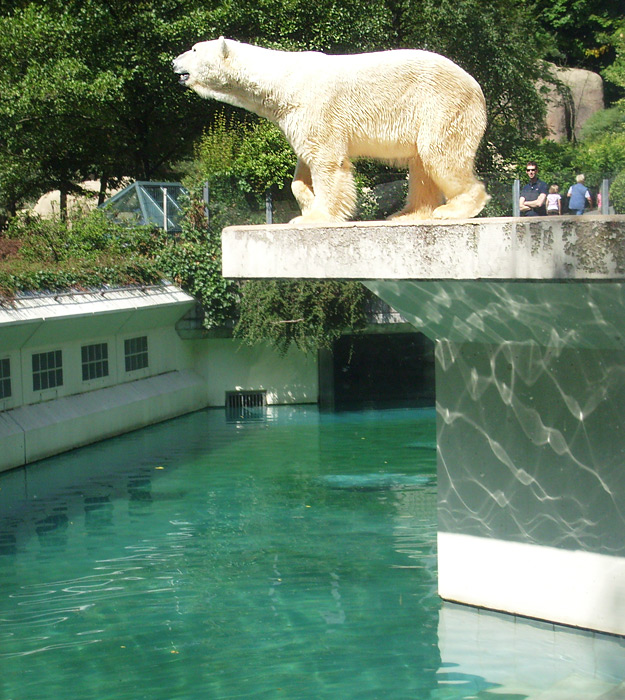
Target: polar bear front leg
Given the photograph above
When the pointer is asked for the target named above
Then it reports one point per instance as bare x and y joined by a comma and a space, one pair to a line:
333, 189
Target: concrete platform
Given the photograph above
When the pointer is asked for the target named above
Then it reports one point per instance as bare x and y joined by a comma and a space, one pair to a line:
554, 248
528, 316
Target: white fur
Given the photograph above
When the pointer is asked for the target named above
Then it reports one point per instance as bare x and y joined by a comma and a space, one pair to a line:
409, 107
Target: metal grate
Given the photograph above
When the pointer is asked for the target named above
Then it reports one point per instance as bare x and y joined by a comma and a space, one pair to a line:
246, 405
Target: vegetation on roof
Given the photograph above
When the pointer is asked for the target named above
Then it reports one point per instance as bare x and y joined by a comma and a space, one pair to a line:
80, 253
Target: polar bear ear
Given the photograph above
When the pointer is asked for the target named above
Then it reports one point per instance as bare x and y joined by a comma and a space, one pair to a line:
223, 47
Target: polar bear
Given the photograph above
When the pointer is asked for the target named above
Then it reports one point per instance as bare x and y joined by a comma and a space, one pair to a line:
407, 107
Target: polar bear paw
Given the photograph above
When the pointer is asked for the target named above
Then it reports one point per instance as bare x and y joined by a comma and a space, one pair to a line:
315, 217
408, 216
465, 205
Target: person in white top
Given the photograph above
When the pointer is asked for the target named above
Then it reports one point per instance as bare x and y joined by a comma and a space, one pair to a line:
554, 201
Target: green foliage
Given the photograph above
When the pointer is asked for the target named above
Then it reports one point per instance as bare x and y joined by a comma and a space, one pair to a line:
88, 93
265, 160
604, 155
251, 155
214, 165
576, 32
615, 71
617, 193
193, 261
310, 314
557, 162
83, 237
77, 276
606, 121
294, 25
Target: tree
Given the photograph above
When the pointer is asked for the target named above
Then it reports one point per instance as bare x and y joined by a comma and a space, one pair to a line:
51, 101
615, 72
88, 92
575, 33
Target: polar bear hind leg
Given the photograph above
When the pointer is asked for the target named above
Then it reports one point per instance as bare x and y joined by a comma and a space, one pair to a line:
443, 163
465, 195
449, 157
302, 186
424, 195
332, 188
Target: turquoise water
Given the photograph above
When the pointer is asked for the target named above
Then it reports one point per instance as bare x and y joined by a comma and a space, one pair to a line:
290, 558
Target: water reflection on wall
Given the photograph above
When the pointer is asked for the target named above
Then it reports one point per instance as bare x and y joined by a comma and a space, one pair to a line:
531, 407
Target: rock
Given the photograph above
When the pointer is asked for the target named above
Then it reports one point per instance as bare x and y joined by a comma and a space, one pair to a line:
567, 113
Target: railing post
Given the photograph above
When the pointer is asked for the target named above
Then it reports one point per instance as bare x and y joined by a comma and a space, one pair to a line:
164, 191
268, 208
605, 196
516, 193
206, 200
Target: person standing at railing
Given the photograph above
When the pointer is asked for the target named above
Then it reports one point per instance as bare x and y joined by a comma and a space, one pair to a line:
534, 193
554, 201
579, 196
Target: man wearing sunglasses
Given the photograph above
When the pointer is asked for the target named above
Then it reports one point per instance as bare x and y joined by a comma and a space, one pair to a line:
534, 194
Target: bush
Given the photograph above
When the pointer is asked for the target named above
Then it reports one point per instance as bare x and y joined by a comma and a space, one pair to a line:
192, 260
617, 193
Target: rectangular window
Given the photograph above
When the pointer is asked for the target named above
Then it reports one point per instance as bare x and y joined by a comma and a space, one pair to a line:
136, 353
47, 370
5, 378
95, 361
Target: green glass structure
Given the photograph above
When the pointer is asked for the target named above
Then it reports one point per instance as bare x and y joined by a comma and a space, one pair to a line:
148, 203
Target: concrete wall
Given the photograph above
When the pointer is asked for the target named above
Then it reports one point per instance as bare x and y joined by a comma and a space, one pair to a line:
228, 365
531, 481
40, 430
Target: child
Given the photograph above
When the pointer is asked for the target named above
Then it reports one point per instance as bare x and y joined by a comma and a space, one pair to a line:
554, 201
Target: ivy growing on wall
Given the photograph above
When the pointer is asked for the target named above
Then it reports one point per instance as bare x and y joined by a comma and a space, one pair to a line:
309, 314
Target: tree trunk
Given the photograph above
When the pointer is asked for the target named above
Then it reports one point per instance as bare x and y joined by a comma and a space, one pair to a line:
63, 203
102, 192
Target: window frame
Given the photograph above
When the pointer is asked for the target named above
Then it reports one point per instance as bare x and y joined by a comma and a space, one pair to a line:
48, 374
94, 361
136, 353
5, 378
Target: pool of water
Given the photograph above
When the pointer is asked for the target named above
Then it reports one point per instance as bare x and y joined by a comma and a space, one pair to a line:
288, 558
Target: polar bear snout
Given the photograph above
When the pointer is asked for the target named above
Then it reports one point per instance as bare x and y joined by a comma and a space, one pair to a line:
180, 70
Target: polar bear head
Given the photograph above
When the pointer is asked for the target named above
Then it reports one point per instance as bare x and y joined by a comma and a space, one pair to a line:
204, 68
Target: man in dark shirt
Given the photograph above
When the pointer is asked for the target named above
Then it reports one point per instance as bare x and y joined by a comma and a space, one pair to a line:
534, 194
